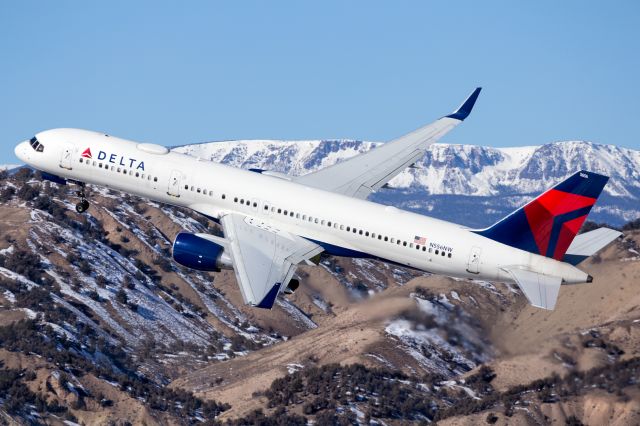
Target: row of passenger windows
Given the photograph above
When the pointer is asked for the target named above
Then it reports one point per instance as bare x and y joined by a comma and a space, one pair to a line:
123, 170
330, 224
353, 230
323, 222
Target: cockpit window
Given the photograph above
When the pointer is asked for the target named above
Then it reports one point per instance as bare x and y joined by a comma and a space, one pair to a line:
36, 145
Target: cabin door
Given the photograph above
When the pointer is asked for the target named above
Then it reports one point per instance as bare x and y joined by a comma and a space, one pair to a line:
175, 181
473, 263
67, 156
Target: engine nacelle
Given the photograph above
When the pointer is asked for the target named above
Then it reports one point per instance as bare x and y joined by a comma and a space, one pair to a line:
196, 252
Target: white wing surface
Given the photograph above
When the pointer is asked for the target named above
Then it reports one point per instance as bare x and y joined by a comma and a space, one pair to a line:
360, 175
264, 258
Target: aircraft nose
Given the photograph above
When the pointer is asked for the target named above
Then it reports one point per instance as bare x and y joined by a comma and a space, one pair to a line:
21, 151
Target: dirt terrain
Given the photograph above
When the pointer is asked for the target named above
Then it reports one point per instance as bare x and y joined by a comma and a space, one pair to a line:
529, 343
96, 324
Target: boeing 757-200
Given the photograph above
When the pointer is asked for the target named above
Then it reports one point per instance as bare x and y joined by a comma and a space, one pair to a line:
273, 222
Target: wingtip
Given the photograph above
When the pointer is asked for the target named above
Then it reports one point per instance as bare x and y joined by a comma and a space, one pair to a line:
465, 109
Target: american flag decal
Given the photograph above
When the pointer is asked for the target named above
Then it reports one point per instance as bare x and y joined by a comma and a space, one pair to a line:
419, 240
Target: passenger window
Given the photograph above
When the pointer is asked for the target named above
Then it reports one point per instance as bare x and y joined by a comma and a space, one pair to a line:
316, 220
404, 243
186, 187
417, 247
118, 169
342, 228
304, 217
379, 237
137, 174
198, 190
355, 230
393, 240
224, 196
81, 159
437, 252
424, 248
192, 188
279, 210
266, 207
360, 232
100, 165
443, 253
297, 215
449, 255
386, 238
348, 229
430, 250
366, 234
210, 193
410, 245
321, 222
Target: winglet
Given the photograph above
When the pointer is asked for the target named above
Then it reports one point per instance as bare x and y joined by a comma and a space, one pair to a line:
466, 107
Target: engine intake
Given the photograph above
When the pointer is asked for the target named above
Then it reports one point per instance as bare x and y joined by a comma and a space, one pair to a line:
196, 252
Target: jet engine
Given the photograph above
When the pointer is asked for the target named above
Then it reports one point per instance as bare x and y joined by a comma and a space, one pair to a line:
196, 251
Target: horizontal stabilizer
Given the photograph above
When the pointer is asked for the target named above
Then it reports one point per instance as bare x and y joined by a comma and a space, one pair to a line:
588, 244
541, 290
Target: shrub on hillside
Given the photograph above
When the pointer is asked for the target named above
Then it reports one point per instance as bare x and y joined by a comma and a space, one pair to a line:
632, 226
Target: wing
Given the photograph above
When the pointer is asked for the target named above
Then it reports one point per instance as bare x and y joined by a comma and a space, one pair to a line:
359, 176
264, 258
541, 290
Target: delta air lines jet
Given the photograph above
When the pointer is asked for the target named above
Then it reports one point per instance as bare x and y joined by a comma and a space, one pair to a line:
273, 222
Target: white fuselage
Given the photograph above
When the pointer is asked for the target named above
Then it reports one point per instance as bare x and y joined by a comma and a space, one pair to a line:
327, 218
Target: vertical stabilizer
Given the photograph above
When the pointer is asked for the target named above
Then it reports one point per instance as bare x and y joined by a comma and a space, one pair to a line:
548, 224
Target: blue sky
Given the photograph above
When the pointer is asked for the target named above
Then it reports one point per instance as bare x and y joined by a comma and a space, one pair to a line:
181, 72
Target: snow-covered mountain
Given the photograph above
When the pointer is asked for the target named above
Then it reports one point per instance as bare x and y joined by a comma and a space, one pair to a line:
457, 182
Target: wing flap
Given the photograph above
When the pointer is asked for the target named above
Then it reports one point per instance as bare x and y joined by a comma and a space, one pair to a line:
541, 290
264, 257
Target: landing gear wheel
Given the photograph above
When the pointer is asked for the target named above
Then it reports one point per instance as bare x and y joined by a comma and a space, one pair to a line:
82, 206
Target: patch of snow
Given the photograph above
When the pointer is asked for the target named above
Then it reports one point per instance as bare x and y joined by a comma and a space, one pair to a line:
292, 368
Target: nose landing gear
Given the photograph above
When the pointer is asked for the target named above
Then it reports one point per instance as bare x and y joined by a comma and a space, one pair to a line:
83, 204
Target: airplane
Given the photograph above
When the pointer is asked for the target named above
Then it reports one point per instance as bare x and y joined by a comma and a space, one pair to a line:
273, 222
